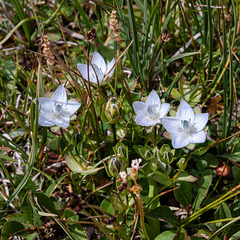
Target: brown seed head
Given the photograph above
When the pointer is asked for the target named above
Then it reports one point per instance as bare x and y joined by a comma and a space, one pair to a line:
91, 35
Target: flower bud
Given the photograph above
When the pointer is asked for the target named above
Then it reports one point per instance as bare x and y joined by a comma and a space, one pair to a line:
91, 35
114, 166
112, 109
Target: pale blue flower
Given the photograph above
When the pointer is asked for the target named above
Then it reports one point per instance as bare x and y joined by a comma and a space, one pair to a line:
186, 127
149, 113
98, 70
57, 110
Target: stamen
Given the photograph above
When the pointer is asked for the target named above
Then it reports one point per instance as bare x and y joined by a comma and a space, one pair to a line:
58, 107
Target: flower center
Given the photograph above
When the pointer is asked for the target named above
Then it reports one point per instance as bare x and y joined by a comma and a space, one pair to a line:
187, 127
153, 112
58, 108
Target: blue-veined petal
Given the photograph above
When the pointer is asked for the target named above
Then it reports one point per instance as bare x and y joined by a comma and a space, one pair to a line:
172, 125
46, 120
70, 108
109, 67
200, 121
140, 107
145, 120
60, 95
185, 112
98, 74
165, 107
153, 99
198, 137
180, 140
98, 60
83, 69
46, 103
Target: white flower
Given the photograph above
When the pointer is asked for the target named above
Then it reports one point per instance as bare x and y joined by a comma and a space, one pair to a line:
186, 127
123, 176
136, 163
98, 70
149, 113
57, 110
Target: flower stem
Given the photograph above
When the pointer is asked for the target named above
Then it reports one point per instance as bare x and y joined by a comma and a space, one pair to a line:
140, 207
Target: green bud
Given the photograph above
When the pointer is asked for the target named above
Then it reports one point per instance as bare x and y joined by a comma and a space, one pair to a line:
112, 109
114, 166
167, 157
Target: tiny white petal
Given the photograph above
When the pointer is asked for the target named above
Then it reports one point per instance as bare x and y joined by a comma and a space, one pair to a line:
140, 107
185, 112
109, 67
60, 95
171, 124
165, 107
153, 99
180, 140
98, 60
145, 120
198, 137
200, 121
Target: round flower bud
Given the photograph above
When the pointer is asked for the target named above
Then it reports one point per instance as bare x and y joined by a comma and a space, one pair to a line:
112, 109
114, 166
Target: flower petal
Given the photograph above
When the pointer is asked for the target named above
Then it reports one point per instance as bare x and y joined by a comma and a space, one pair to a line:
200, 121
140, 107
70, 108
180, 140
46, 104
109, 67
60, 95
63, 121
45, 120
145, 120
172, 125
185, 112
98, 60
153, 99
165, 107
48, 120
98, 74
83, 69
198, 137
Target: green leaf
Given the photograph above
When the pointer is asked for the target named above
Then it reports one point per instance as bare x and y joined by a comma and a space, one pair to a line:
167, 235
22, 218
203, 187
70, 215
12, 228
163, 213
107, 205
77, 232
46, 203
162, 178
185, 176
51, 188
183, 193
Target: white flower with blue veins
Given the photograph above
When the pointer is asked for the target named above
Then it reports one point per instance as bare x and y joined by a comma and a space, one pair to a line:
151, 112
57, 110
98, 70
186, 127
